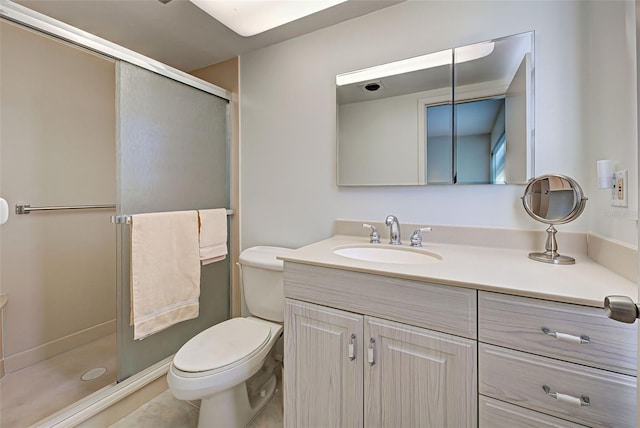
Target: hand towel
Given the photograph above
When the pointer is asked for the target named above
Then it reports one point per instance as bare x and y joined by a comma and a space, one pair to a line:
213, 235
165, 270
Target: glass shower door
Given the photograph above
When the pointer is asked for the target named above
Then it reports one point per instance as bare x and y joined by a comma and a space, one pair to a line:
172, 155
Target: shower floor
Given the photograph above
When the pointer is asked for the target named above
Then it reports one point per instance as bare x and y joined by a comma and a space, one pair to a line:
37, 391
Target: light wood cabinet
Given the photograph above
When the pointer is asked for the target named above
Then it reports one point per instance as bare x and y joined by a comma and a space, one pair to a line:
436, 307
581, 394
418, 377
574, 333
367, 350
352, 369
563, 360
323, 379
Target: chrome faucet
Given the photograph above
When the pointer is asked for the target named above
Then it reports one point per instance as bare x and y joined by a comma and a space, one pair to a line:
394, 230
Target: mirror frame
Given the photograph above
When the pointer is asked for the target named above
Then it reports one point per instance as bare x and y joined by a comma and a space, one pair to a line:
579, 200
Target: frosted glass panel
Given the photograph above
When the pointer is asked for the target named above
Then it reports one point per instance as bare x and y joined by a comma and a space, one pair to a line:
173, 144
172, 154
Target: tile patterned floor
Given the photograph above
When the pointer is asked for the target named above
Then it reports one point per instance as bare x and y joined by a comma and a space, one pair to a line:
165, 411
37, 391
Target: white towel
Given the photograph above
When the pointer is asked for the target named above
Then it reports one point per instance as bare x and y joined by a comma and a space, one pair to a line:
213, 235
165, 270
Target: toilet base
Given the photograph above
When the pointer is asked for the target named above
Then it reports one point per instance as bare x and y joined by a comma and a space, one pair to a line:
232, 408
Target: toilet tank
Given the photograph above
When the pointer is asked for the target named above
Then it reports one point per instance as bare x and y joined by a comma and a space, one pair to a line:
262, 281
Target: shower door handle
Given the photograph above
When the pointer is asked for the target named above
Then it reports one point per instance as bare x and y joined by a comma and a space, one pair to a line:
621, 308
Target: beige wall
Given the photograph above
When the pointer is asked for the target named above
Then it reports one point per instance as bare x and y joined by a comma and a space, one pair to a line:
57, 142
226, 75
1, 352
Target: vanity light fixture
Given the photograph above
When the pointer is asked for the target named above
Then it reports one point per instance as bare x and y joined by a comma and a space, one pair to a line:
251, 17
432, 60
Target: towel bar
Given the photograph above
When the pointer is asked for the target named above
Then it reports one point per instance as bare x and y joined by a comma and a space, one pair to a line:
27, 208
126, 219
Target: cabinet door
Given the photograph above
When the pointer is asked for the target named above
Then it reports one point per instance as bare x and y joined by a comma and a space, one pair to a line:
323, 379
418, 378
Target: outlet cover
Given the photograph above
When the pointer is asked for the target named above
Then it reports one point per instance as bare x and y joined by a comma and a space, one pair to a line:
619, 192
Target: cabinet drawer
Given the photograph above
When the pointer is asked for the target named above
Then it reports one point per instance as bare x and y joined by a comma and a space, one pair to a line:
518, 323
496, 413
520, 378
437, 307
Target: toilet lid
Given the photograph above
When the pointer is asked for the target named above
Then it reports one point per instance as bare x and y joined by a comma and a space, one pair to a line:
221, 345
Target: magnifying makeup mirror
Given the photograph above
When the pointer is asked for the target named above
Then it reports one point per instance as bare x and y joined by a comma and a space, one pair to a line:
553, 199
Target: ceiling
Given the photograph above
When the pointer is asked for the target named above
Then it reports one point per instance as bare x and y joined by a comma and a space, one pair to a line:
180, 34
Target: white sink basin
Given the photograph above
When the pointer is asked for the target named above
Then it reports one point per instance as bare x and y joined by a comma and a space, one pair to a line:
388, 254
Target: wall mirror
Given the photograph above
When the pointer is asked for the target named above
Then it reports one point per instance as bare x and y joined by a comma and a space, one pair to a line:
458, 116
553, 199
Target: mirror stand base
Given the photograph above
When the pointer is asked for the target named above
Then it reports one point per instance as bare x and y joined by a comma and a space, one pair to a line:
551, 251
552, 257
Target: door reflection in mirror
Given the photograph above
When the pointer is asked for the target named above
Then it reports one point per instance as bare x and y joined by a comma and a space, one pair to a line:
477, 153
440, 148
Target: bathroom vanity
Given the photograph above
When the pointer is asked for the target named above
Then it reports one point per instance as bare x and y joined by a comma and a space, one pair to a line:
478, 337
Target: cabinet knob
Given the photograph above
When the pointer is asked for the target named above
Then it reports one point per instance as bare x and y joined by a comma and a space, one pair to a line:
621, 308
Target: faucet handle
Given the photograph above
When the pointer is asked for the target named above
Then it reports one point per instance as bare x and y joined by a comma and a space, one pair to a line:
416, 237
374, 237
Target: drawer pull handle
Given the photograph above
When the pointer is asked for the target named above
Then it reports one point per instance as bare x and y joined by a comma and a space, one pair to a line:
370, 359
564, 398
352, 351
566, 337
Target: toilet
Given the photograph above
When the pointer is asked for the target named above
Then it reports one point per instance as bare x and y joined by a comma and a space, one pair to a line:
230, 366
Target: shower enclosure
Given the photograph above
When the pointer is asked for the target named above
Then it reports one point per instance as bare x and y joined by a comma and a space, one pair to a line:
90, 138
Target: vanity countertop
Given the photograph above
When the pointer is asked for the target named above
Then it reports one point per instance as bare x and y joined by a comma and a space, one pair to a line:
507, 271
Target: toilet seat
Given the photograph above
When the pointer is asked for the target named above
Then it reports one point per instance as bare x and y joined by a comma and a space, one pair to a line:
222, 347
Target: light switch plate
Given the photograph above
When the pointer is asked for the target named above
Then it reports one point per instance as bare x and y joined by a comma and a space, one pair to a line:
619, 192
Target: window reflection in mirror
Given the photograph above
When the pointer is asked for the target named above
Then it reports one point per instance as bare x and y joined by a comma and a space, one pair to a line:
407, 128
479, 154
494, 96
